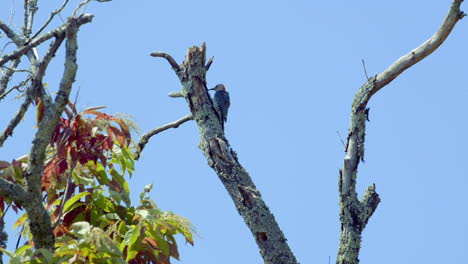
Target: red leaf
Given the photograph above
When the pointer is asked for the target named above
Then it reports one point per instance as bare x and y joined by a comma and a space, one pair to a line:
88, 110
61, 166
151, 242
118, 134
70, 216
4, 164
47, 176
115, 186
173, 251
72, 107
2, 204
60, 230
15, 208
99, 115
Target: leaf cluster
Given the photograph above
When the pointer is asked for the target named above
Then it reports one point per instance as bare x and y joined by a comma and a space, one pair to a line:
88, 198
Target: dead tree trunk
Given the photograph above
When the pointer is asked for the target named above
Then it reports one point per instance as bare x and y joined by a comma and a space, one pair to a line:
214, 145
355, 213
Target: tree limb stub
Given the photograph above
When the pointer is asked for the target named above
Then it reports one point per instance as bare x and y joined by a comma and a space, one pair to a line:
355, 213
214, 145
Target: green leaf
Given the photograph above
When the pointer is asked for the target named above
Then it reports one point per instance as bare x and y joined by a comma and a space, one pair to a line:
129, 160
116, 196
83, 180
162, 244
46, 255
18, 172
8, 252
111, 216
22, 249
123, 185
81, 229
101, 174
144, 213
116, 260
73, 200
119, 157
133, 237
104, 203
104, 243
20, 220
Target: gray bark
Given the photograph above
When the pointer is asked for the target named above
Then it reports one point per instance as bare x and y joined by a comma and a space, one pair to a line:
222, 158
355, 213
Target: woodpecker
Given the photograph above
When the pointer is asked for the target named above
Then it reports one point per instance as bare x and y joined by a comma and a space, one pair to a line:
221, 102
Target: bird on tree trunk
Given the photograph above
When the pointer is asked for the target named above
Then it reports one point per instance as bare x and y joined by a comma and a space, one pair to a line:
221, 103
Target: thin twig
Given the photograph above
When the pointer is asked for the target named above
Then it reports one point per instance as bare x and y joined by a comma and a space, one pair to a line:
210, 61
169, 59
12, 12
52, 15
145, 138
15, 120
16, 87
81, 6
341, 139
365, 70
66, 196
6, 76
39, 40
17, 70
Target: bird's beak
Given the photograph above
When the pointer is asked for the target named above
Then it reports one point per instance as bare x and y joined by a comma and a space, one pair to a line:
211, 89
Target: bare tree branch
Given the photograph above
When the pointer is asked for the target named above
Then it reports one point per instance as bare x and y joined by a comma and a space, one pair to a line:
54, 46
41, 229
16, 87
146, 137
52, 15
247, 199
26, 17
81, 6
83, 19
30, 9
169, 59
13, 191
16, 119
355, 213
10, 33
421, 52
6, 75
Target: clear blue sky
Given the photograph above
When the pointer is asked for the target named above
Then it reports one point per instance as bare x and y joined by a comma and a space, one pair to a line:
292, 68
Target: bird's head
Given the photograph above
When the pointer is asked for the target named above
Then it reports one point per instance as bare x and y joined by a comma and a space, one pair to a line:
219, 87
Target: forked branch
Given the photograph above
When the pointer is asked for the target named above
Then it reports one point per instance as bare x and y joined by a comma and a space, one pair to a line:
355, 213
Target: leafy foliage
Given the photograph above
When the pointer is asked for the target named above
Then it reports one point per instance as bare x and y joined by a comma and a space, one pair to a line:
89, 199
